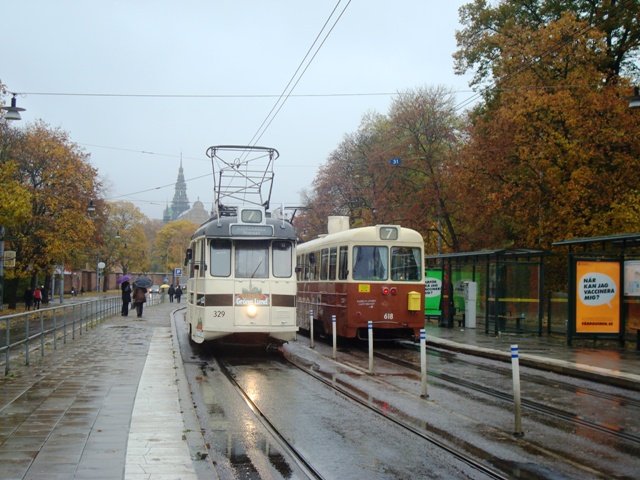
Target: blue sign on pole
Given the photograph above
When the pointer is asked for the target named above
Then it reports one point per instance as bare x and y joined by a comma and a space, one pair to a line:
395, 161
177, 272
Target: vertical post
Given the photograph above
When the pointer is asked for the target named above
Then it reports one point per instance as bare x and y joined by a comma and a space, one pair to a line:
55, 332
423, 363
334, 335
61, 283
26, 339
41, 335
515, 363
370, 338
311, 340
2, 270
6, 353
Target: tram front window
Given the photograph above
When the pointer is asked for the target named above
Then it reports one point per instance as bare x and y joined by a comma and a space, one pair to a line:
252, 259
370, 263
282, 259
220, 258
405, 264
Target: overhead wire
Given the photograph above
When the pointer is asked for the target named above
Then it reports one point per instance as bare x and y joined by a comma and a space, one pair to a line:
284, 96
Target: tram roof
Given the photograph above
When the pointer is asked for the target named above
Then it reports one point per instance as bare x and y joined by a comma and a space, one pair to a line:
364, 234
222, 228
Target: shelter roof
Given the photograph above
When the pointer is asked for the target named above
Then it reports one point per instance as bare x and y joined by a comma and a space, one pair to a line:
619, 240
501, 252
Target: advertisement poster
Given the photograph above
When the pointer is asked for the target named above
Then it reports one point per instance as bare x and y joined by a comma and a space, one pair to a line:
632, 278
432, 292
597, 297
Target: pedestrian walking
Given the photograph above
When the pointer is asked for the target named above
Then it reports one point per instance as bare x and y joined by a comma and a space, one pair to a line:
172, 292
28, 299
126, 298
178, 293
37, 298
139, 299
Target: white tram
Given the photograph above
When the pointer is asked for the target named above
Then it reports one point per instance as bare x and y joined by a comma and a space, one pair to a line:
242, 278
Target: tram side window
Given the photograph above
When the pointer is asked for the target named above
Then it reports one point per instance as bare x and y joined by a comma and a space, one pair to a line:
370, 263
324, 263
220, 258
201, 250
333, 260
343, 273
281, 259
313, 266
252, 259
405, 264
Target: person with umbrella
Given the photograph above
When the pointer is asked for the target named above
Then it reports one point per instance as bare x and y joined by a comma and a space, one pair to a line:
125, 287
126, 297
140, 293
163, 292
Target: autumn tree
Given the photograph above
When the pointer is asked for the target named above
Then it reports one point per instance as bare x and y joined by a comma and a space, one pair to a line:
395, 169
59, 181
126, 242
171, 243
426, 132
490, 27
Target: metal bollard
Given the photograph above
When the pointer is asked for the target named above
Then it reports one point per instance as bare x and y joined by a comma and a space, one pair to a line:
335, 336
6, 352
515, 363
26, 340
311, 340
370, 337
423, 363
41, 335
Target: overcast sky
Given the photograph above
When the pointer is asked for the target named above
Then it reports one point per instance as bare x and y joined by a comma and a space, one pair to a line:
224, 53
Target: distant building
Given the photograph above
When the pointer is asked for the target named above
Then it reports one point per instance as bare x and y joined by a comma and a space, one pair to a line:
179, 208
197, 214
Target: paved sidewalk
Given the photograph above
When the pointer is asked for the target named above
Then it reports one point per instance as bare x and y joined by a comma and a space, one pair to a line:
104, 406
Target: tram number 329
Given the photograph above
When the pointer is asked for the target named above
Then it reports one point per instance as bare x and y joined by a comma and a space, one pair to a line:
388, 316
218, 313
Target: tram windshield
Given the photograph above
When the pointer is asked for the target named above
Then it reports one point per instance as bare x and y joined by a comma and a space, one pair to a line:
220, 258
282, 259
252, 259
405, 264
370, 263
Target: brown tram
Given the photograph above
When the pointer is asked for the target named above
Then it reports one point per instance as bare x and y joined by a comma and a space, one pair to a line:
359, 275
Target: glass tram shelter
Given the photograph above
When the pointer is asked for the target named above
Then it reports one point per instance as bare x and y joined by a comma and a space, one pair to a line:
604, 286
498, 290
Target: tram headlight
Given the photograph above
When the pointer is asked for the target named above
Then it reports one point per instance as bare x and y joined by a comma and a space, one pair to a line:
252, 310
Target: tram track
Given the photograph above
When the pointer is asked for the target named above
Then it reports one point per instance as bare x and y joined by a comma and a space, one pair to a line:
527, 404
306, 464
531, 378
284, 444
458, 454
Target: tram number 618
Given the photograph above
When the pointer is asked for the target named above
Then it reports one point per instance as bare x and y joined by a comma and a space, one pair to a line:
388, 316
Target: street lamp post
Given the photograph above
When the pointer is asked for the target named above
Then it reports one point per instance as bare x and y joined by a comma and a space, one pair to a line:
13, 113
1, 267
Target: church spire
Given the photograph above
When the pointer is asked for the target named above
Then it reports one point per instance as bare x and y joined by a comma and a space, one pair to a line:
180, 201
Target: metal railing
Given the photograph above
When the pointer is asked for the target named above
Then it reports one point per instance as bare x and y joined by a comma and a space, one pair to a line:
22, 334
